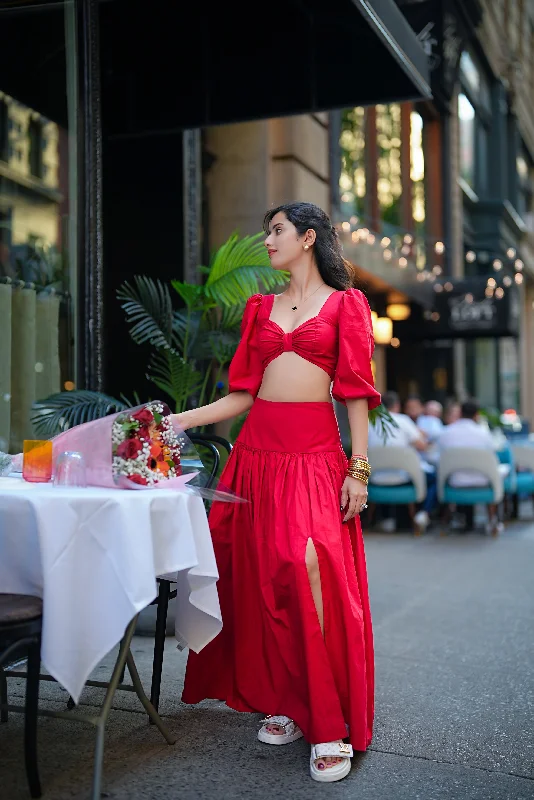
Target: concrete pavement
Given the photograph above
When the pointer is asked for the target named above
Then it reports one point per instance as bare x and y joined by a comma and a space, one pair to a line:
454, 637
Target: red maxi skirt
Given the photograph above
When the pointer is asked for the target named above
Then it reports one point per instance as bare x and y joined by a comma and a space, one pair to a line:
271, 656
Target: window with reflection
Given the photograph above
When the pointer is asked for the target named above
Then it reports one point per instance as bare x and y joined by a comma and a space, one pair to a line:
37, 219
352, 180
389, 184
466, 116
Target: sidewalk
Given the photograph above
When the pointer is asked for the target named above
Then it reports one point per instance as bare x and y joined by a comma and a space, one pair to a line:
454, 636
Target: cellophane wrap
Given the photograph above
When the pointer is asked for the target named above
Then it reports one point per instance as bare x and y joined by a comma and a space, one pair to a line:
140, 448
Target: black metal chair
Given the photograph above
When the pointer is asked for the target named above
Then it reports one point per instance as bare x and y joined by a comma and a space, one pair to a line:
20, 633
207, 442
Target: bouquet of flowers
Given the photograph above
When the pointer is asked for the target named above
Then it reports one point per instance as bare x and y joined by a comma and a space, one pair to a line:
134, 449
146, 448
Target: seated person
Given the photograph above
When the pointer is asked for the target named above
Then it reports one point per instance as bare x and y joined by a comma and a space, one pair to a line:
468, 432
430, 422
407, 434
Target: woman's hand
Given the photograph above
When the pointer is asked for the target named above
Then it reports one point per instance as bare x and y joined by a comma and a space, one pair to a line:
353, 494
183, 420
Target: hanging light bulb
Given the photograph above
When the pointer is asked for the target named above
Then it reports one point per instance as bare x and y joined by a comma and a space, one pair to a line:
405, 249
345, 226
398, 311
403, 263
387, 255
470, 256
437, 270
489, 291
439, 248
518, 278
492, 282
383, 330
497, 264
510, 252
499, 292
386, 241
518, 264
507, 281
408, 238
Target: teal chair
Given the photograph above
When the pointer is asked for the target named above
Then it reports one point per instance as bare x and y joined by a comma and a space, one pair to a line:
523, 458
409, 493
482, 462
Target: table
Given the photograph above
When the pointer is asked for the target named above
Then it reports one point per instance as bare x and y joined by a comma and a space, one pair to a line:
93, 555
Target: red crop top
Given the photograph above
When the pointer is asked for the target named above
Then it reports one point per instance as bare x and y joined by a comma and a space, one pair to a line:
339, 340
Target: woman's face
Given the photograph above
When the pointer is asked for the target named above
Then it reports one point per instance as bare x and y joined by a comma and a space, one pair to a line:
283, 242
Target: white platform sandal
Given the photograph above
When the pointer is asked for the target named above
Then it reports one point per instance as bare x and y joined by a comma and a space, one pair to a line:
291, 733
333, 750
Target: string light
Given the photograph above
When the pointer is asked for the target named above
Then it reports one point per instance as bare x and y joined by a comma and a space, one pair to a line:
403, 263
370, 238
408, 239
507, 281
470, 256
518, 264
499, 292
439, 248
497, 264
345, 226
387, 255
437, 270
386, 241
434, 316
469, 298
518, 278
492, 282
489, 291
355, 236
438, 287
448, 286
354, 220
510, 252
395, 342
405, 249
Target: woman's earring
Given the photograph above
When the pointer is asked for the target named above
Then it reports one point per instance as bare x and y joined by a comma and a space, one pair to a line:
306, 246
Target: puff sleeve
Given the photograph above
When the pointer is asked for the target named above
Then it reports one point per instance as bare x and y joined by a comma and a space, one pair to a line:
353, 378
246, 372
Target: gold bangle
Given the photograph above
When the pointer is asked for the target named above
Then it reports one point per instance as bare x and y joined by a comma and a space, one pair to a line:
359, 463
359, 476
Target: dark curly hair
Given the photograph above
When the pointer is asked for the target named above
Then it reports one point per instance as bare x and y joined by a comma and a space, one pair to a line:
335, 270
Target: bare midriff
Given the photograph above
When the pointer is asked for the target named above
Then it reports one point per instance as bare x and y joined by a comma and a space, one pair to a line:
289, 378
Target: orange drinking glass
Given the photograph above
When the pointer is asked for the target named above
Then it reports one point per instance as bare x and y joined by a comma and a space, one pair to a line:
37, 460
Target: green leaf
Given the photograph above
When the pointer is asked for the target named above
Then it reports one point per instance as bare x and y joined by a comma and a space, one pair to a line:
174, 376
240, 268
382, 420
149, 311
64, 410
191, 293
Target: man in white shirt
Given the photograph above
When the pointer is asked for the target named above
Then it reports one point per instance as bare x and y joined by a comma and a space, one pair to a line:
431, 421
407, 434
467, 432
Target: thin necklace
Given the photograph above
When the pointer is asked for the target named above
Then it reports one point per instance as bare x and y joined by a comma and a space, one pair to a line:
294, 308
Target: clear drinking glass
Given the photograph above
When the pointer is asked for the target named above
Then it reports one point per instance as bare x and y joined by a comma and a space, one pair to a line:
70, 470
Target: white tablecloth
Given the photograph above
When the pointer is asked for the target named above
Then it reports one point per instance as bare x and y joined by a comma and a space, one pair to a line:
93, 555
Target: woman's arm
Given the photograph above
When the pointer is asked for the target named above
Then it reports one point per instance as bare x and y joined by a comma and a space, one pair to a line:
358, 411
232, 405
354, 492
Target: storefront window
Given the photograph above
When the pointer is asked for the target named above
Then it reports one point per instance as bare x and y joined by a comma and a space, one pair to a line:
509, 373
466, 114
352, 179
389, 184
37, 204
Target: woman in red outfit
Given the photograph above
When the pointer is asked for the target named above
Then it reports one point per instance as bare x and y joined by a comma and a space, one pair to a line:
296, 643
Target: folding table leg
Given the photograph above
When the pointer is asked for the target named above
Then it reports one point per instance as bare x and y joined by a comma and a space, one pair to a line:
3, 695
124, 657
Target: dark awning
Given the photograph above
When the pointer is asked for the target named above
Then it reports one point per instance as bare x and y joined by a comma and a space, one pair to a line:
175, 65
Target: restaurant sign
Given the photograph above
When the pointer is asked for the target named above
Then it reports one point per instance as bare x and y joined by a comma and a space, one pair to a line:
469, 310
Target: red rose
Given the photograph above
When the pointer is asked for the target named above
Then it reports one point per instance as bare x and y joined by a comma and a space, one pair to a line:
144, 417
143, 433
129, 448
138, 479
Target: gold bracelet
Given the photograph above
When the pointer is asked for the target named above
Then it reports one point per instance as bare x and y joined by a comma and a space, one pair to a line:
359, 476
359, 463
